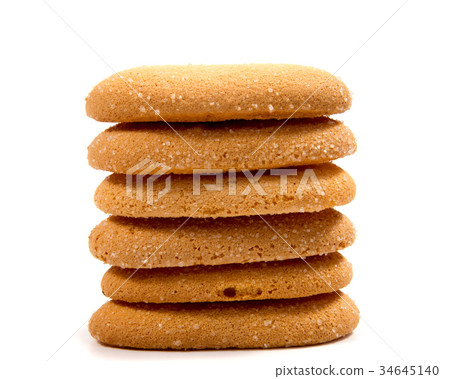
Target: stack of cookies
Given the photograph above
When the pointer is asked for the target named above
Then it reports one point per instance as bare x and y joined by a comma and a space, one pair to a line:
222, 232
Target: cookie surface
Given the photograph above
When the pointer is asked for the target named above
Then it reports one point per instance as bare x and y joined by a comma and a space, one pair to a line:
161, 242
235, 145
308, 189
236, 282
241, 324
217, 93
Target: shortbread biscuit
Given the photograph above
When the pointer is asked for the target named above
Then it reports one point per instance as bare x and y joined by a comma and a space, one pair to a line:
311, 188
168, 242
217, 93
228, 145
240, 324
235, 282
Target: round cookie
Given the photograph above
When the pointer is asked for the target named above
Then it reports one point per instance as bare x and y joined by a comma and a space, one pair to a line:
235, 282
217, 93
160, 242
241, 324
228, 145
309, 189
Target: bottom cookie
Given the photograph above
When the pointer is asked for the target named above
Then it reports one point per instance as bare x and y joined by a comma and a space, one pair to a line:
247, 324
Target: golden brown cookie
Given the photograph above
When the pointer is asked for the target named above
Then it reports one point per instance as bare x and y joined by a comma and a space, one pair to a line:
228, 145
217, 93
308, 189
240, 324
161, 242
234, 282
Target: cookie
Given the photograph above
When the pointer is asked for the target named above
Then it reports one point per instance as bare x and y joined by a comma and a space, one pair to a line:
217, 93
228, 145
307, 189
240, 324
235, 282
161, 242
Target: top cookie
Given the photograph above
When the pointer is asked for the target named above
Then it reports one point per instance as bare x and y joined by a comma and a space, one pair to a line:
217, 93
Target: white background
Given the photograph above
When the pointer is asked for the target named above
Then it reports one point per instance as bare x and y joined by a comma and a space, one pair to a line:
399, 77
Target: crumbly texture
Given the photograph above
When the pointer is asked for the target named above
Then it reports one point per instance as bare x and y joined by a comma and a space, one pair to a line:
312, 188
160, 242
228, 145
236, 282
217, 93
240, 324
